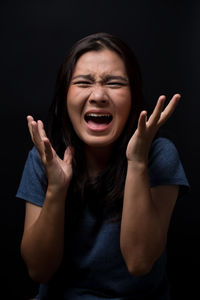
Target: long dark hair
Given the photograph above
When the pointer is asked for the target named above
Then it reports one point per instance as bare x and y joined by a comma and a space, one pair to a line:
105, 191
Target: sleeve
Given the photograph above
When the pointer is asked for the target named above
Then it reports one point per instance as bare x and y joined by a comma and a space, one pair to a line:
165, 167
33, 184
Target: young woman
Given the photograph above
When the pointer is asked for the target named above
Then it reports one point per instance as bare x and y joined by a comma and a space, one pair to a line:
101, 188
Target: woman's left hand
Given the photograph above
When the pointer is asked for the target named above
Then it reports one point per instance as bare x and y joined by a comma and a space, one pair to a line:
140, 143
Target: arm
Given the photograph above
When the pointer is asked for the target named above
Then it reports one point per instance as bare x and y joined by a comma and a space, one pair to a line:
146, 211
43, 238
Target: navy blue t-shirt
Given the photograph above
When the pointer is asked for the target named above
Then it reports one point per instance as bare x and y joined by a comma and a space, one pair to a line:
93, 267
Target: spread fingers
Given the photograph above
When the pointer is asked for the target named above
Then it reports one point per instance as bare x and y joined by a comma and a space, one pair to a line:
169, 109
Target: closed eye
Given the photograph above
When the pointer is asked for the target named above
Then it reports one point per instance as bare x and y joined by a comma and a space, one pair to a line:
116, 84
82, 83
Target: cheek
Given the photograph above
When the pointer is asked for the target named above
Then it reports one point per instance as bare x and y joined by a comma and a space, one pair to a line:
69, 108
72, 105
76, 99
72, 111
124, 106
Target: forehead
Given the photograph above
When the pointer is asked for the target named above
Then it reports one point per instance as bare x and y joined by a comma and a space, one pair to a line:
103, 62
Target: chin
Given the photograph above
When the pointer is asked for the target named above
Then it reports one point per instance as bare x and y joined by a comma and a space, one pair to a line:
99, 142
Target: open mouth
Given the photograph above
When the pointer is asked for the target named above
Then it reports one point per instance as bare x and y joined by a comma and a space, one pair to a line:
98, 118
98, 122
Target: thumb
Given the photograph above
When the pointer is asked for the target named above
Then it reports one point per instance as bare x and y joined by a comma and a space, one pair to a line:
68, 155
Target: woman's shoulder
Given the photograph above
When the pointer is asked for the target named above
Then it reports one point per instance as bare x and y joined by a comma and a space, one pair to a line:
161, 143
165, 166
35, 160
33, 182
163, 150
33, 152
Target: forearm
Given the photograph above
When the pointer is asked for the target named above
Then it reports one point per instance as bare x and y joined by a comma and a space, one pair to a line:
142, 240
43, 242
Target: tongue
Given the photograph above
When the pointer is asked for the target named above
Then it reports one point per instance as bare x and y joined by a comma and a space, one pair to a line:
94, 125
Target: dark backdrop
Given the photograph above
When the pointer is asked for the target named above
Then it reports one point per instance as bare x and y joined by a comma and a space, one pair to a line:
34, 38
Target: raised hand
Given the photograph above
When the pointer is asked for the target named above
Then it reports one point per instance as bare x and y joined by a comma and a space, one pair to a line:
58, 171
139, 145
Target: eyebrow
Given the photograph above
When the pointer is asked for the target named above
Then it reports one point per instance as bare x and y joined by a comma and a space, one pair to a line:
105, 78
114, 77
88, 76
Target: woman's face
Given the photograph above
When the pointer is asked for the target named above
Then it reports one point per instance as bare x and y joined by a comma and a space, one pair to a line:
99, 98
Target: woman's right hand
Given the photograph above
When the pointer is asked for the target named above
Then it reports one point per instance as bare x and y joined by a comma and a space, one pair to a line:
58, 171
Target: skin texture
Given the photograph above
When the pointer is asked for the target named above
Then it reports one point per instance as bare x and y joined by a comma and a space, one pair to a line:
99, 84
146, 211
145, 218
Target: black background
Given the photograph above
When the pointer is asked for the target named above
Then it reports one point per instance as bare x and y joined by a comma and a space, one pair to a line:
35, 36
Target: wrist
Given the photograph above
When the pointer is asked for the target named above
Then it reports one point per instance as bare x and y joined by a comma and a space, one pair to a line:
137, 165
53, 190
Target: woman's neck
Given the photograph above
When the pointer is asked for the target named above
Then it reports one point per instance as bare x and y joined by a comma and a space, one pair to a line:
96, 159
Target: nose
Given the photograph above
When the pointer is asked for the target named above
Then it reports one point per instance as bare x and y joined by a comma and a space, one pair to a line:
98, 95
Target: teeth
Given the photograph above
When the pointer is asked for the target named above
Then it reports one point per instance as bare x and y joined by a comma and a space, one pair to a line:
98, 118
98, 115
